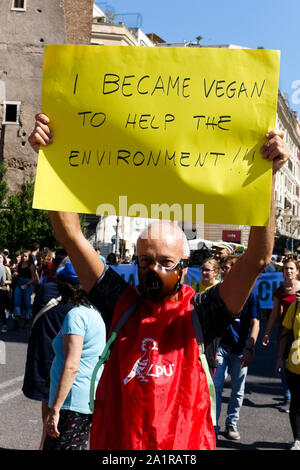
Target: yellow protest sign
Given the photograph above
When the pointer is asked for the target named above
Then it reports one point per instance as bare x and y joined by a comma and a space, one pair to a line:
153, 132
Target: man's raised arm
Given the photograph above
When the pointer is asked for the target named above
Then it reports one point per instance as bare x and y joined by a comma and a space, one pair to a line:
86, 262
238, 284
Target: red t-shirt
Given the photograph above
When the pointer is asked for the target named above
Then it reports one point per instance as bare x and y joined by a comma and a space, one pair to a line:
153, 393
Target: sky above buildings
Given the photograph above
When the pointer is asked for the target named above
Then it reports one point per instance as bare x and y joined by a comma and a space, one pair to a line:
273, 24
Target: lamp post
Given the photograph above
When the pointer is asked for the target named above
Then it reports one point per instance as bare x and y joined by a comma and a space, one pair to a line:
295, 223
117, 237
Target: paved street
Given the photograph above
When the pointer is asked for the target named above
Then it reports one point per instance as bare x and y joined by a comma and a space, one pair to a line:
20, 424
261, 425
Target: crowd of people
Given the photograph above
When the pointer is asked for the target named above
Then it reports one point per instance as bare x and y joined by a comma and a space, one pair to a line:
21, 274
61, 312
72, 332
236, 347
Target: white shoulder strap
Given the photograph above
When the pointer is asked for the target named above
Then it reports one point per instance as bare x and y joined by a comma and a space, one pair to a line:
52, 303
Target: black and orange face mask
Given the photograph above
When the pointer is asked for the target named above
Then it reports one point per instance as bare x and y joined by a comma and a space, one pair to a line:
157, 281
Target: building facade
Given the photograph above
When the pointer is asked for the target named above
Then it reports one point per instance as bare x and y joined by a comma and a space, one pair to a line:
26, 26
287, 189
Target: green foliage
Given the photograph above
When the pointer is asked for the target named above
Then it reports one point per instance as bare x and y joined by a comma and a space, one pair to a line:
21, 225
3, 184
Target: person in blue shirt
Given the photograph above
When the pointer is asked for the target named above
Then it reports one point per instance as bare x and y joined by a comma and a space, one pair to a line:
271, 268
235, 354
40, 353
77, 348
99, 253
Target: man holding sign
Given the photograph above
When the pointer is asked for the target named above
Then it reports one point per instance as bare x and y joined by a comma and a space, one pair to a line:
153, 393
154, 124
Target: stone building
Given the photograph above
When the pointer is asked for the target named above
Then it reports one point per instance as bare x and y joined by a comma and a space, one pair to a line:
287, 188
26, 26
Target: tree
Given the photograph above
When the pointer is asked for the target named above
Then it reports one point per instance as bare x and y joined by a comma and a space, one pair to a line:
3, 184
199, 38
21, 225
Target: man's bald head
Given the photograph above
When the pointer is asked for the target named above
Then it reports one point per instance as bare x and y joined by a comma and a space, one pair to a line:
165, 234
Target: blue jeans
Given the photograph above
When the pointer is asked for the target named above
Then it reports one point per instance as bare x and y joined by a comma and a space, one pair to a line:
231, 363
22, 299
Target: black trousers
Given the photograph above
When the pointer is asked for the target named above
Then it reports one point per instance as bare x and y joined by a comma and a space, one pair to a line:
294, 385
74, 431
3, 305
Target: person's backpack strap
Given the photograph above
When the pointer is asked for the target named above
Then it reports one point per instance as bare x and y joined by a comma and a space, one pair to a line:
107, 349
52, 303
203, 360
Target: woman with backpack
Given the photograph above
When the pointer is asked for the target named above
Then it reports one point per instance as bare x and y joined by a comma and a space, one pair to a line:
76, 350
